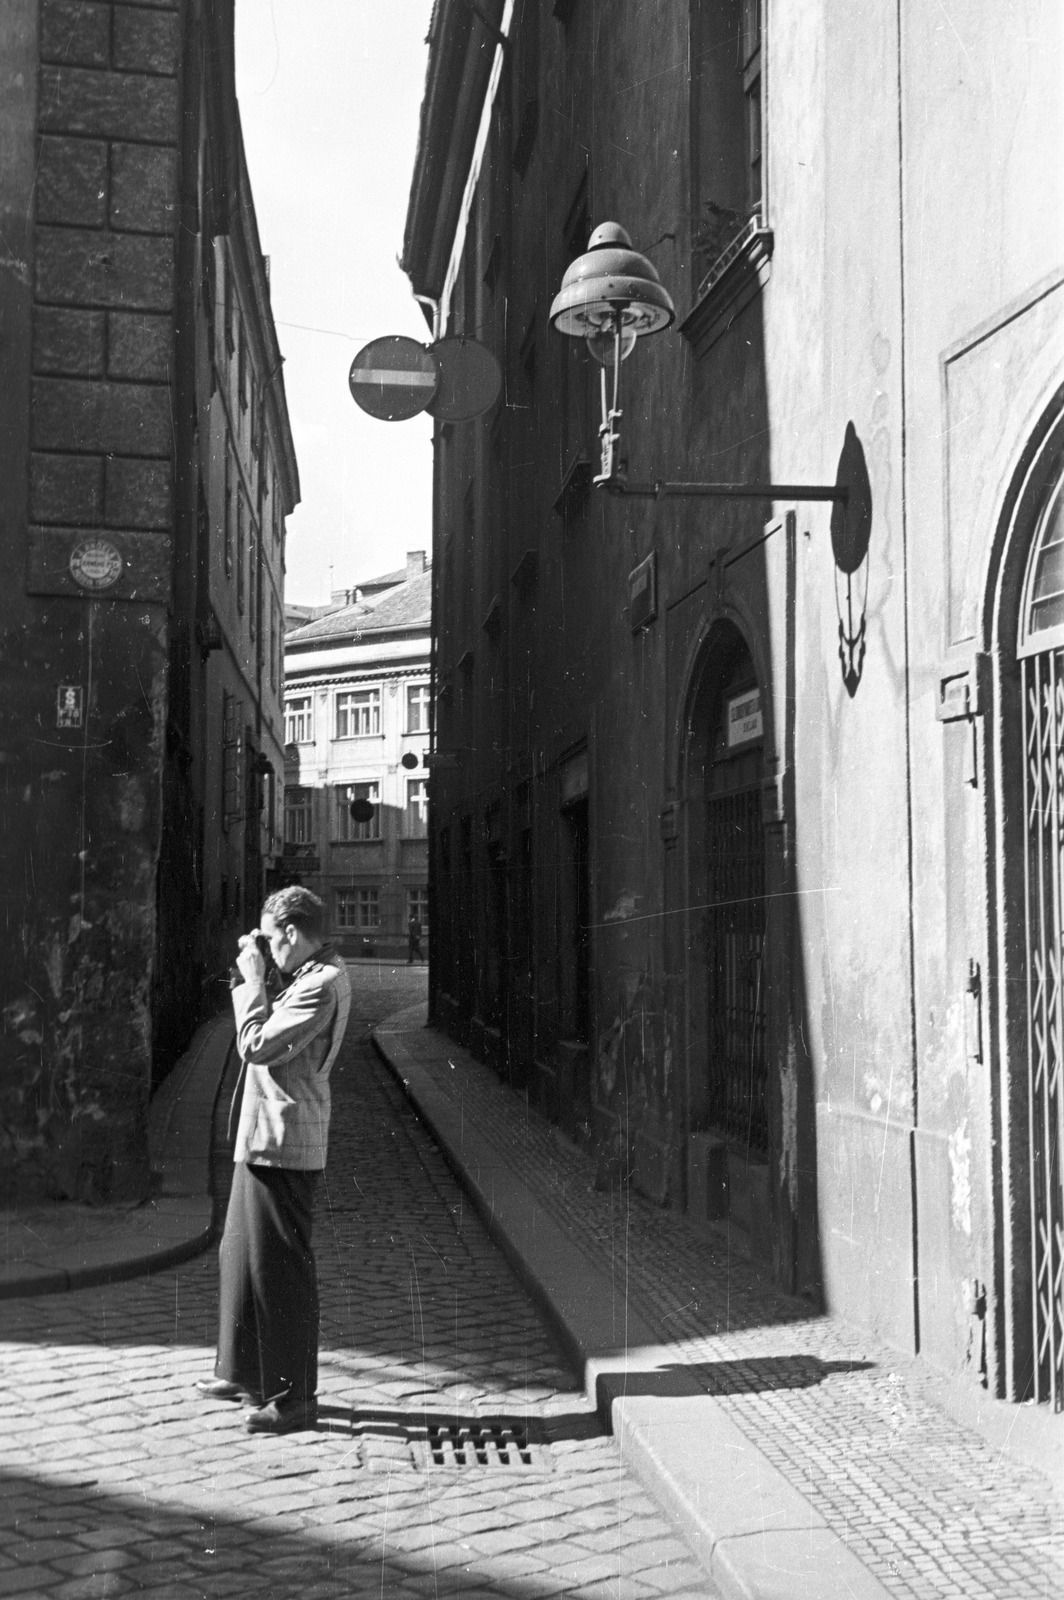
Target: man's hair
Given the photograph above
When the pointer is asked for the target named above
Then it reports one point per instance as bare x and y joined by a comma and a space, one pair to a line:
298, 905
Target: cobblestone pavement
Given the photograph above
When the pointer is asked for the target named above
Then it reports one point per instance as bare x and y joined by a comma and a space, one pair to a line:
923, 1501
453, 1455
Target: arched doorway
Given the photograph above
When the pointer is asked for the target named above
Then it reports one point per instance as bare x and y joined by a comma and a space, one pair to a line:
726, 865
1027, 1085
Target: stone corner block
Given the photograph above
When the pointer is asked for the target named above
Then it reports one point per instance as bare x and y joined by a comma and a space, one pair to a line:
143, 188
147, 41
139, 493
72, 181
139, 345
68, 342
108, 105
66, 488
80, 415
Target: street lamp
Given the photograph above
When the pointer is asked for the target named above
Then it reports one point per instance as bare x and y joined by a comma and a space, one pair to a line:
611, 296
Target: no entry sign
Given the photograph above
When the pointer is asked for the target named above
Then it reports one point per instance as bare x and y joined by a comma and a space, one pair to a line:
394, 378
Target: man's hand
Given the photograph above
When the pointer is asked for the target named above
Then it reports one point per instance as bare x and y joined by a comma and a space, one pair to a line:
250, 961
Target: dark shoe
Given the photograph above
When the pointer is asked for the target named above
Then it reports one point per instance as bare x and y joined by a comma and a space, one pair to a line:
283, 1416
220, 1389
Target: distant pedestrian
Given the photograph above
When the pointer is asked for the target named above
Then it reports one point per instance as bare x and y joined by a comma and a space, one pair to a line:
268, 1304
413, 939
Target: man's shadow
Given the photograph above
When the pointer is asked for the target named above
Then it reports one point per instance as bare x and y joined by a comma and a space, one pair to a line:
467, 1439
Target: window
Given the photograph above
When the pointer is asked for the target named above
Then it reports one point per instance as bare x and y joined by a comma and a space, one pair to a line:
229, 530
358, 713
254, 575
269, 806
358, 909
725, 125
232, 760
242, 369
240, 537
751, 63
525, 85
417, 808
417, 905
299, 719
347, 829
1043, 613
527, 354
230, 304
207, 280
298, 815
418, 708
214, 269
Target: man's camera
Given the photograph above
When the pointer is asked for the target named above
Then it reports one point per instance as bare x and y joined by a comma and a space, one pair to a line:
273, 976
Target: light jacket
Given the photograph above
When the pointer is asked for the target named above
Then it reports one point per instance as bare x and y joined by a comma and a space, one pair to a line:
287, 1046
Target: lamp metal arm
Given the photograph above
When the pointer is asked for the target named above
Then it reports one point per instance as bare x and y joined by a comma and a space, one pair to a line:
662, 488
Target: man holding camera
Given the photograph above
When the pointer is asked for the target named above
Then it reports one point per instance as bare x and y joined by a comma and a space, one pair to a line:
268, 1303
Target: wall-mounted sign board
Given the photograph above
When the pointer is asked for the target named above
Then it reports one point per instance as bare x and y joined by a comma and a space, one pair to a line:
743, 718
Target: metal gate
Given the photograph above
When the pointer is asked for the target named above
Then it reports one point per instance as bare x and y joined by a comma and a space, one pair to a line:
735, 927
1043, 742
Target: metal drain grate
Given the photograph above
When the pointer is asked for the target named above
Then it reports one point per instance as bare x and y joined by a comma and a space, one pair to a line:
387, 1442
478, 1444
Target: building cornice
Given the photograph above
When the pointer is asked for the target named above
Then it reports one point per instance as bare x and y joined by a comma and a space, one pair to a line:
462, 48
369, 674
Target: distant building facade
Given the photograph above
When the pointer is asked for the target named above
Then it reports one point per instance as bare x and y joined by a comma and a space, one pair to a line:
748, 867
148, 470
357, 732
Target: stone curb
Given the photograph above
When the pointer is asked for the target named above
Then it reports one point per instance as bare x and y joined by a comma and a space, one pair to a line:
183, 1108
44, 1280
755, 1534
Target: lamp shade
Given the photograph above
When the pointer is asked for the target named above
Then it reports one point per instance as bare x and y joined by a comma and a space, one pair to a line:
610, 279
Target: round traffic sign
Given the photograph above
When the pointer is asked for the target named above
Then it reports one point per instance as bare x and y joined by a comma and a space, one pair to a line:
361, 810
393, 378
470, 380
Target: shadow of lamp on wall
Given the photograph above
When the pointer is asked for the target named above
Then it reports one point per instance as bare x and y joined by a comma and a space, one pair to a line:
851, 532
612, 296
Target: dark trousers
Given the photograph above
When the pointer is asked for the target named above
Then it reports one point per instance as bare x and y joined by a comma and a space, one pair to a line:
268, 1305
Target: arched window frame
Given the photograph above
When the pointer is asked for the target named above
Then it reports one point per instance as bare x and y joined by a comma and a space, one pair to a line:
1035, 640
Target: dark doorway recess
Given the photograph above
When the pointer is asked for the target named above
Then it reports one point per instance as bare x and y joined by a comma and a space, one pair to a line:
730, 1138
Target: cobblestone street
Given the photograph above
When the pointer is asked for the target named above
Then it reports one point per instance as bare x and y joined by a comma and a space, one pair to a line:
454, 1455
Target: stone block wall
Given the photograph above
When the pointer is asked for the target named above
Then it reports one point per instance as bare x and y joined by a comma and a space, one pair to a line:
106, 209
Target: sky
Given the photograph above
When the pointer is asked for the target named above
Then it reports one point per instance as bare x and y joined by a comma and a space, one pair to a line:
329, 96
